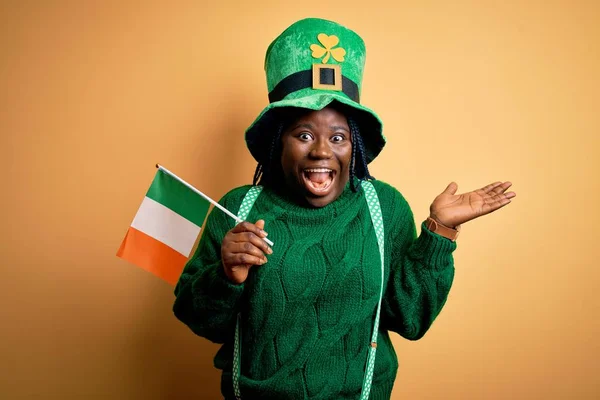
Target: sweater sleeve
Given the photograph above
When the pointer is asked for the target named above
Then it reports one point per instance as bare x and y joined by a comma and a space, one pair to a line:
421, 270
206, 301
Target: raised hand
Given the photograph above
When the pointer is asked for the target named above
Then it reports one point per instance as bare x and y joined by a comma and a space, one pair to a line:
452, 209
243, 247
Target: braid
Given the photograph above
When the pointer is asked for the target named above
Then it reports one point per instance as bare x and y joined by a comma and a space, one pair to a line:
363, 158
274, 147
264, 171
358, 163
355, 135
258, 172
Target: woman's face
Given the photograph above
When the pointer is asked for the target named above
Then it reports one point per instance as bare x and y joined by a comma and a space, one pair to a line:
316, 154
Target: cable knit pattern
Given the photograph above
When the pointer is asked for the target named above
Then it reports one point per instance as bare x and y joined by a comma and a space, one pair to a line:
307, 314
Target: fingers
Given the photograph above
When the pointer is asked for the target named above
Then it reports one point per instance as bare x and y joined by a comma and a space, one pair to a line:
490, 187
249, 227
245, 245
494, 195
451, 188
251, 238
499, 197
243, 259
488, 208
498, 193
498, 201
501, 188
244, 253
253, 247
246, 231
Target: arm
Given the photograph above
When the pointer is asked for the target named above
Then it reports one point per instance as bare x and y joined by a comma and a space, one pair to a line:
421, 274
422, 269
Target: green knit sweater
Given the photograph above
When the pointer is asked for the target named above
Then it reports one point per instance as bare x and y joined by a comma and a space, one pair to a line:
307, 314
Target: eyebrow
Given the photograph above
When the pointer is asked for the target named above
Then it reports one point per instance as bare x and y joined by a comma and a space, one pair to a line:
339, 127
305, 125
310, 126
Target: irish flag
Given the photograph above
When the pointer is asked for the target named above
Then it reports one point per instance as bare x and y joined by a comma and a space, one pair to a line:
165, 228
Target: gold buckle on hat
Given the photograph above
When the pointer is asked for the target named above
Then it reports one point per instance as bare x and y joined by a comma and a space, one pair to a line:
337, 77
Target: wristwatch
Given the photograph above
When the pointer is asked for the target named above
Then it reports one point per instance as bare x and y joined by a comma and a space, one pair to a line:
442, 230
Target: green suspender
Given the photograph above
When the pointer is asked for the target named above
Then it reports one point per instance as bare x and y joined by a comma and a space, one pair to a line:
377, 220
245, 208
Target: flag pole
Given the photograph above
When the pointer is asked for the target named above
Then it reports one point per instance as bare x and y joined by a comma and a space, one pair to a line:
220, 207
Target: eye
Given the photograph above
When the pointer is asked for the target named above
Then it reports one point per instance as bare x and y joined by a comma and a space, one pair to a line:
338, 138
305, 136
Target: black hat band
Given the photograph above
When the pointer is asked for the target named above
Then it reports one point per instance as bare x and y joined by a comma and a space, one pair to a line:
327, 76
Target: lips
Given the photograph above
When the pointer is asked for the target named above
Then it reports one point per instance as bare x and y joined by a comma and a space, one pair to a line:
318, 181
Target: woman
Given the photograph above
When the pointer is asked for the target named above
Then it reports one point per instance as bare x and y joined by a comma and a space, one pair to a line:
311, 316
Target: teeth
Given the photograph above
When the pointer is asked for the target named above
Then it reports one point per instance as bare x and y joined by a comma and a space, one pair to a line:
318, 170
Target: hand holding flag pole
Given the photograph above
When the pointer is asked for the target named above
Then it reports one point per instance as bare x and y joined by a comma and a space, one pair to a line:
166, 226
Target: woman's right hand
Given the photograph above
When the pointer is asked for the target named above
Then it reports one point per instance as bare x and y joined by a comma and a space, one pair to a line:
242, 248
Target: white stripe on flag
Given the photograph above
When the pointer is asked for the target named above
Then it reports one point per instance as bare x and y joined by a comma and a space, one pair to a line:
166, 226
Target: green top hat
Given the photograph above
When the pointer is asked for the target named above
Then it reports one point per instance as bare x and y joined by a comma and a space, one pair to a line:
311, 64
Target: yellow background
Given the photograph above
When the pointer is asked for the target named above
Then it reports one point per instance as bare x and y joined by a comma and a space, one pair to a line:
92, 94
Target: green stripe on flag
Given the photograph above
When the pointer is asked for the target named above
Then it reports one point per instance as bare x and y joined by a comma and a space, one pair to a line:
173, 194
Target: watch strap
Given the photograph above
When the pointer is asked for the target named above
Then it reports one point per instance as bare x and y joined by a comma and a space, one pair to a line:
449, 233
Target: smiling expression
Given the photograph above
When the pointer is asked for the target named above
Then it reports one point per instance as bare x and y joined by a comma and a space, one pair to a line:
316, 154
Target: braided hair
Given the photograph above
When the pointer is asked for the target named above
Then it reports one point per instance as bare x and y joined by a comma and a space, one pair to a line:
265, 171
359, 169
269, 171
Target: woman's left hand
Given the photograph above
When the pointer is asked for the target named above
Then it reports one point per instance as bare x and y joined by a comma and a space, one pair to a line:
452, 209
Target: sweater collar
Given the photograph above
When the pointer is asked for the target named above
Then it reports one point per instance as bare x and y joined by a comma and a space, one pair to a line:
289, 204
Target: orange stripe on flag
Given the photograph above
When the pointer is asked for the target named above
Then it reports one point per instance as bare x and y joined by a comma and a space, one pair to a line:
152, 255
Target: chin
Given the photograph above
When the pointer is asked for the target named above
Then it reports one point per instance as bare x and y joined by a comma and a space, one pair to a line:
325, 199
318, 202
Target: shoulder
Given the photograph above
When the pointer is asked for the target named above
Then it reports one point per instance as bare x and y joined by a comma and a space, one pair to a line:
388, 194
231, 201
234, 196
394, 205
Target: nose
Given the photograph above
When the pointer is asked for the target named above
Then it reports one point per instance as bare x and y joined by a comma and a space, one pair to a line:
320, 150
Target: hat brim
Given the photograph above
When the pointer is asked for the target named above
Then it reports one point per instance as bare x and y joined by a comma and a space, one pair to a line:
259, 134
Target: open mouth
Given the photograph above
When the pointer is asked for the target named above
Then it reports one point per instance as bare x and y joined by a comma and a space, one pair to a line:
318, 180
